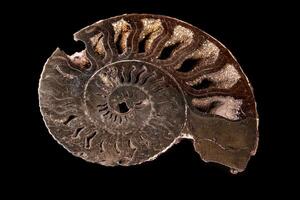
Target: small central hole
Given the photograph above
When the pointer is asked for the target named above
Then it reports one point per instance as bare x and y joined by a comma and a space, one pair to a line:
123, 108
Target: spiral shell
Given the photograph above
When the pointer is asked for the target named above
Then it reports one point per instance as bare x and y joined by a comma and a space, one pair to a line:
142, 84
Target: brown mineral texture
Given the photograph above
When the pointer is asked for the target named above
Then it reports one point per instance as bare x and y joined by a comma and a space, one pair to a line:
144, 83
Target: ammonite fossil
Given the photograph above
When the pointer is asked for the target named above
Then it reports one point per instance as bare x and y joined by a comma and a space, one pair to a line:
142, 84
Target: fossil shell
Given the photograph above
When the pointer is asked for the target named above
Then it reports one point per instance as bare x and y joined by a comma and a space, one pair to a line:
142, 84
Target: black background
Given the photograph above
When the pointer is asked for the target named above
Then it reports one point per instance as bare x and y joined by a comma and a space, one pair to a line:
249, 30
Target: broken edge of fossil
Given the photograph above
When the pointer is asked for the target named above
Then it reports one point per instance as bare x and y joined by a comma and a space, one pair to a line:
221, 145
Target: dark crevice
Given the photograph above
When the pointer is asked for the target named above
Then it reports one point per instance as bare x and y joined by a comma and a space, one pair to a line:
101, 105
204, 84
123, 108
121, 78
71, 117
138, 103
77, 131
101, 147
137, 77
102, 109
188, 65
117, 149
121, 161
119, 47
167, 51
130, 144
158, 89
208, 108
99, 52
129, 75
145, 79
89, 138
106, 113
142, 43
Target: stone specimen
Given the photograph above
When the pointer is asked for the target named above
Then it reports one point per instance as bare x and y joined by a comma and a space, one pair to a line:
143, 83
